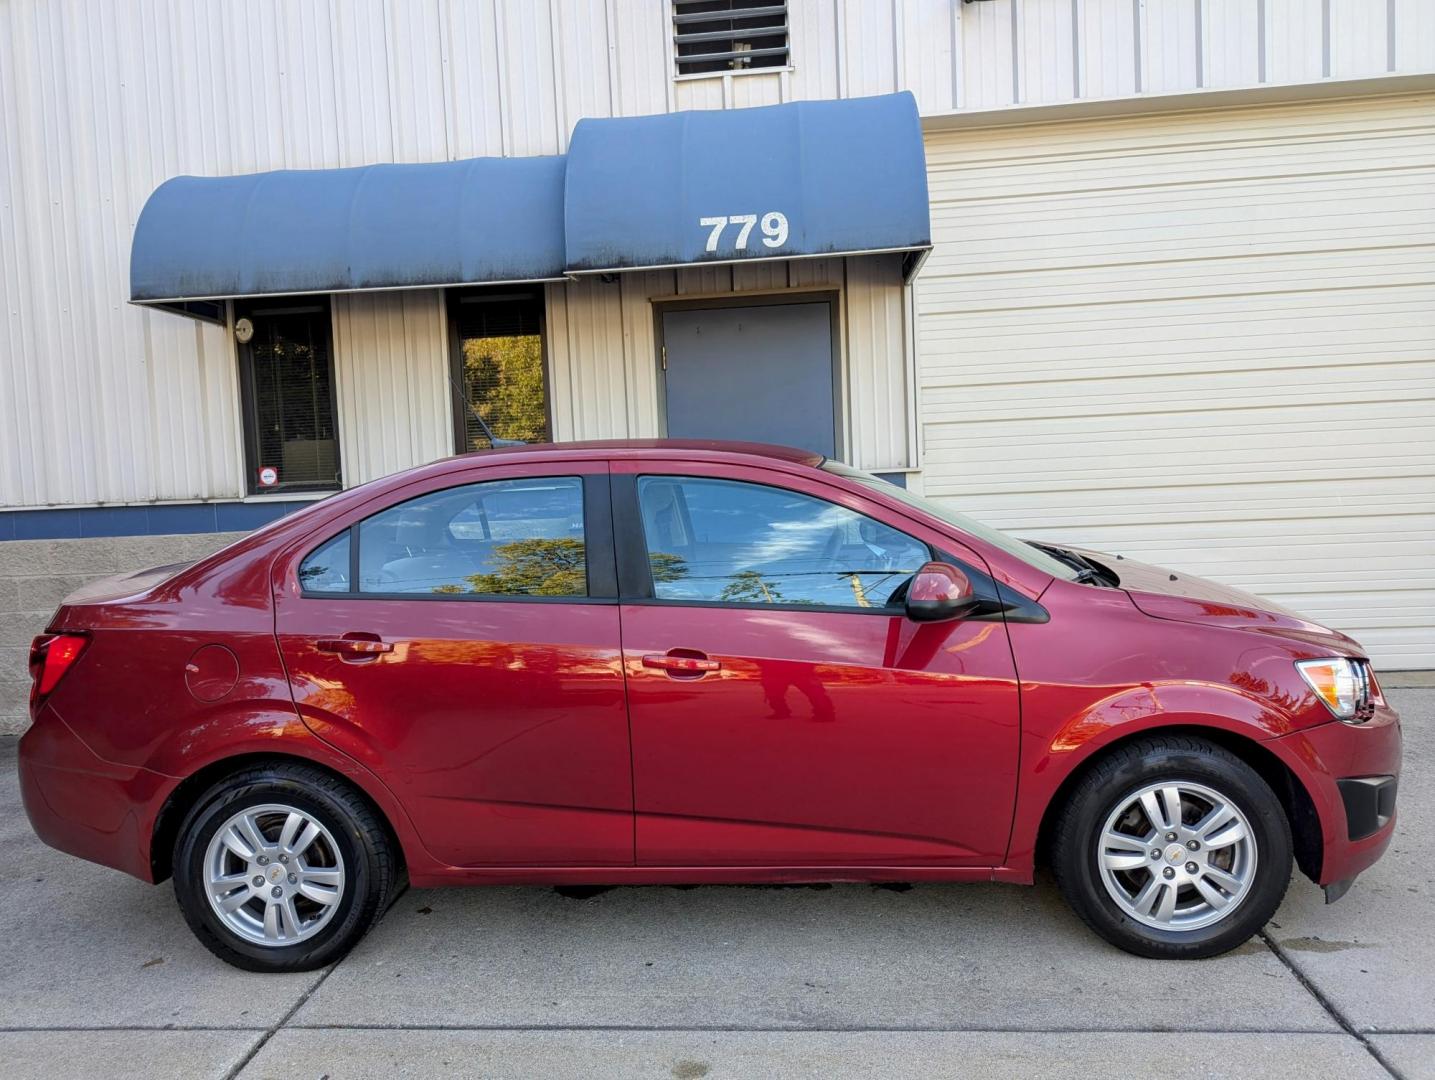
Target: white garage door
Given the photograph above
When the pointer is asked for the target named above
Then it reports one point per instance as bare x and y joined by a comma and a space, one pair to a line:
1205, 340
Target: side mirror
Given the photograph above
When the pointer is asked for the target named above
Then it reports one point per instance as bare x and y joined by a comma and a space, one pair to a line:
939, 591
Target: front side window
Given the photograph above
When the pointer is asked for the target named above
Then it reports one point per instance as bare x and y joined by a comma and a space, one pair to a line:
725, 541
498, 368
1000, 540
498, 538
291, 438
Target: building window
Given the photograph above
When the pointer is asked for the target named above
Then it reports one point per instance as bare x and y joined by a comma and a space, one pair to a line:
291, 439
500, 389
714, 37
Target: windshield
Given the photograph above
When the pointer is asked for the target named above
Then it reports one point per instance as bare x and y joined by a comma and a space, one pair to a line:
1011, 545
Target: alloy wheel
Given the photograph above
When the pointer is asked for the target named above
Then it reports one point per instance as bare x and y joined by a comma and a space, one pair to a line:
273, 874
1177, 856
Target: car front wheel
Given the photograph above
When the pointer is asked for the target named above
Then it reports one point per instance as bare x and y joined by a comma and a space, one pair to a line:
1173, 847
282, 868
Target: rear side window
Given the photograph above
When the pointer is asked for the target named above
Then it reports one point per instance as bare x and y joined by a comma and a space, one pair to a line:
725, 541
498, 538
326, 568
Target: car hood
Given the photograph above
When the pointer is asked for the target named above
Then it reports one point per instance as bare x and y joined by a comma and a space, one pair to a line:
1180, 597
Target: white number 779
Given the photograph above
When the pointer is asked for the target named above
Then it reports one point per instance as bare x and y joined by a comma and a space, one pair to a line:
774, 229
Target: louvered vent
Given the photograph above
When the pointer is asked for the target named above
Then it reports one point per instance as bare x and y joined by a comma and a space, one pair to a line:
716, 36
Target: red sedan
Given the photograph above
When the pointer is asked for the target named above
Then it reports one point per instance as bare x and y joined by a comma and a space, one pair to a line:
649, 662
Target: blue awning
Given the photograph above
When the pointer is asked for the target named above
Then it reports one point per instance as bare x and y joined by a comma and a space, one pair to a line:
341, 230
785, 181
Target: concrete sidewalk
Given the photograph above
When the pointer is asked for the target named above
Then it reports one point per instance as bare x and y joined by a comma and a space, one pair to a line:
102, 977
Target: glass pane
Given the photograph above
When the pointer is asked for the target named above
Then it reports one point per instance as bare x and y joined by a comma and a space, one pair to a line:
499, 538
731, 542
293, 402
326, 569
1012, 546
501, 368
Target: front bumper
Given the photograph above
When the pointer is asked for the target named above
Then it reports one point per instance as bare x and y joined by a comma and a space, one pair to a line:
1351, 772
86, 806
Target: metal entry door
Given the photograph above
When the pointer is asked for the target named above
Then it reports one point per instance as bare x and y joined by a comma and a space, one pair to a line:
761, 373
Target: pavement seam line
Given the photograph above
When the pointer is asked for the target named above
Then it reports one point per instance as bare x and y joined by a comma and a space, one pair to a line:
1328, 1005
243, 1063
273, 1029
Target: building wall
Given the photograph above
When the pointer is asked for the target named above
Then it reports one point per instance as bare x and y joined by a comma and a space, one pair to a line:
36, 574
100, 101
1204, 340
602, 348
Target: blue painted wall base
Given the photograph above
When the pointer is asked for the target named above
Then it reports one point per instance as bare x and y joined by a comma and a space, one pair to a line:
165, 520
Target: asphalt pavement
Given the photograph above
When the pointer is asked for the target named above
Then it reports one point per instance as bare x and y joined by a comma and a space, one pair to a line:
100, 976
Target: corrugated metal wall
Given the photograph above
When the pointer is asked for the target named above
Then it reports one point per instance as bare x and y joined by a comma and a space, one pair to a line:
602, 349
101, 100
1205, 340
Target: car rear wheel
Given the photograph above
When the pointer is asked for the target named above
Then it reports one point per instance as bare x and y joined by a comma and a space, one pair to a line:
282, 868
1173, 847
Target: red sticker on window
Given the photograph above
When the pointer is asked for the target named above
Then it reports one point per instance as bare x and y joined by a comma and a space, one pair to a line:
268, 476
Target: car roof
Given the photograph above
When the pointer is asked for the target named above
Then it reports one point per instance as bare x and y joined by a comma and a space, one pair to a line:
640, 448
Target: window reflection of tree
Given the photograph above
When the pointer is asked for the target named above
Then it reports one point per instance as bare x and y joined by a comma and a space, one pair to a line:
503, 377
533, 567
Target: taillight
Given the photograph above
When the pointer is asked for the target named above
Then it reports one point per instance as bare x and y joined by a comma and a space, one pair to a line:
51, 655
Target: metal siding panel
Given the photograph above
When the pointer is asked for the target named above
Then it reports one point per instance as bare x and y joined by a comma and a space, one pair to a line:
1170, 46
749, 91
1358, 41
391, 370
365, 120
876, 348
1107, 35
813, 48
474, 71
1295, 36
1414, 35
641, 58
415, 82
1045, 50
527, 93
1151, 379
869, 57
986, 56
926, 34
699, 93
1230, 43
583, 64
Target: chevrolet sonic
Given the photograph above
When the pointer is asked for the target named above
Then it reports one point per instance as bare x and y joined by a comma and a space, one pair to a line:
664, 662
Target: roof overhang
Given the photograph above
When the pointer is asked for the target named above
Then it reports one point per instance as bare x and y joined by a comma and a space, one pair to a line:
803, 180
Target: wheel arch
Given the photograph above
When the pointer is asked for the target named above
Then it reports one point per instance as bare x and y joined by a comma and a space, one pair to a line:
1295, 800
189, 790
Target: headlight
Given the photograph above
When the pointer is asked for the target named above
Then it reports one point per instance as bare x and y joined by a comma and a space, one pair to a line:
1343, 684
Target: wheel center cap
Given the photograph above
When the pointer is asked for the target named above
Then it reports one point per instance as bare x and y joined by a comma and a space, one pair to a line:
1175, 853
276, 874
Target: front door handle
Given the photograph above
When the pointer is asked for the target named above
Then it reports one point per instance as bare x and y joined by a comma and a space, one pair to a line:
354, 647
682, 664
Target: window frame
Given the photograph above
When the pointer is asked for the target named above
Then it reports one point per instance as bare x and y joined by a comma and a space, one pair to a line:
599, 564
248, 405
458, 406
635, 571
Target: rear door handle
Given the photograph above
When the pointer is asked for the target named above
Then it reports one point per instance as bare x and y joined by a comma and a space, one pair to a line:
360, 648
682, 664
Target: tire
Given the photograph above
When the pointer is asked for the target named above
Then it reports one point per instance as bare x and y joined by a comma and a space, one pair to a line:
339, 852
1221, 892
